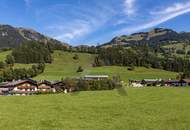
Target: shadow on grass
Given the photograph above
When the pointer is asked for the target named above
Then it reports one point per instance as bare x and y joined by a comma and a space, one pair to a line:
121, 91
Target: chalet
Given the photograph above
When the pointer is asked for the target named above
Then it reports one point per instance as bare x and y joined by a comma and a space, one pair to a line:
135, 83
58, 85
26, 87
172, 83
96, 77
20, 87
152, 82
45, 86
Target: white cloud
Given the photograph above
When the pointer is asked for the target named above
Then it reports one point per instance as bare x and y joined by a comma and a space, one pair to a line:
129, 7
68, 33
86, 21
157, 17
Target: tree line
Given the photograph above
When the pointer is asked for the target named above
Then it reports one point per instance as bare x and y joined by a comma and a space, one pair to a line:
9, 73
141, 55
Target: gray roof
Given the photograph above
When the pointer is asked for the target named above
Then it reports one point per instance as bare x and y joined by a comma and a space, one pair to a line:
96, 76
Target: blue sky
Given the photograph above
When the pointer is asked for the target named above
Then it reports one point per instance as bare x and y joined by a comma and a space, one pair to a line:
94, 21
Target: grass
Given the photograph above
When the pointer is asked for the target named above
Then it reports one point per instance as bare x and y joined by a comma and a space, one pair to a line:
3, 55
140, 109
128, 108
65, 66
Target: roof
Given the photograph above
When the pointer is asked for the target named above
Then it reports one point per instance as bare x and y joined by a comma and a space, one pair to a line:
151, 80
96, 76
171, 81
13, 83
186, 80
44, 82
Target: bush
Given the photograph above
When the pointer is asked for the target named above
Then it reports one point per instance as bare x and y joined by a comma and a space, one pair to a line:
131, 68
80, 69
75, 57
2, 65
180, 52
10, 60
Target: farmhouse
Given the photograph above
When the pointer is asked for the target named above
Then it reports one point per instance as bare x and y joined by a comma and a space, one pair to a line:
159, 82
20, 87
172, 83
135, 83
45, 86
26, 87
96, 77
152, 82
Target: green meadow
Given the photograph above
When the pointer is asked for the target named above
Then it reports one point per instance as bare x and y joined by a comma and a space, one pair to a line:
65, 66
135, 109
119, 109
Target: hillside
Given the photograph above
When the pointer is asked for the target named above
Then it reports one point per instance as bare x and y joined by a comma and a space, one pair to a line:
65, 66
155, 36
12, 36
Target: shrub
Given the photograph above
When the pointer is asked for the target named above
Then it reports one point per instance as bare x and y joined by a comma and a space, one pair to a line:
180, 52
80, 69
75, 57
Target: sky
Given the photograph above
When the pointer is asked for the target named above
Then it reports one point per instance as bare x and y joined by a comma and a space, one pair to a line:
95, 22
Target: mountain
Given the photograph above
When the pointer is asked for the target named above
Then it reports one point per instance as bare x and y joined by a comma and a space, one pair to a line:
12, 36
155, 36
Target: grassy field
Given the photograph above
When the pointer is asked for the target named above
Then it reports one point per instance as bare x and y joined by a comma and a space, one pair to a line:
4, 54
128, 108
140, 109
65, 66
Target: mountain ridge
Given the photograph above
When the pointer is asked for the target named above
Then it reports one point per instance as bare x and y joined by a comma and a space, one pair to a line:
11, 36
155, 36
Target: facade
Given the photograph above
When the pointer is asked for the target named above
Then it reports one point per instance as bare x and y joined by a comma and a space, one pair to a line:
96, 77
45, 86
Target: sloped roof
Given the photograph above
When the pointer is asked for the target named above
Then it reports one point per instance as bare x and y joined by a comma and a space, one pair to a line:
17, 82
96, 76
186, 80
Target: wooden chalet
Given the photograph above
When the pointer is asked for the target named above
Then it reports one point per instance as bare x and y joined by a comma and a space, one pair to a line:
151, 82
45, 86
20, 87
26, 87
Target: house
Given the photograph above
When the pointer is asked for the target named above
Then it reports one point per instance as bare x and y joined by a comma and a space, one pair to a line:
26, 87
172, 83
20, 87
45, 86
152, 82
58, 85
135, 83
96, 77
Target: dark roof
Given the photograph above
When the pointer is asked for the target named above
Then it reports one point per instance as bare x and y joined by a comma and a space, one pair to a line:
171, 81
186, 80
14, 83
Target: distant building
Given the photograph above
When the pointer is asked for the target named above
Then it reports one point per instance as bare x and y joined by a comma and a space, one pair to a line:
152, 82
135, 83
96, 77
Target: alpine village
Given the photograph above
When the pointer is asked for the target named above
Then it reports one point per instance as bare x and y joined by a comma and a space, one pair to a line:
27, 53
